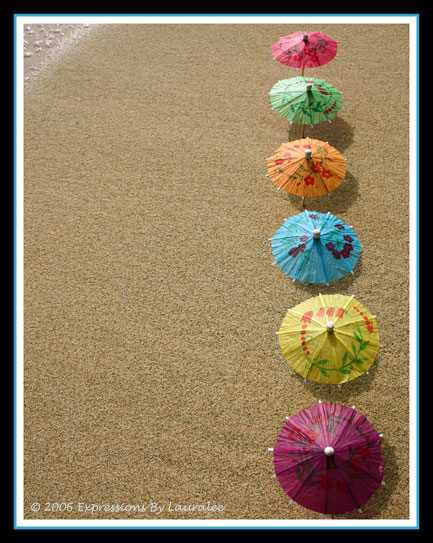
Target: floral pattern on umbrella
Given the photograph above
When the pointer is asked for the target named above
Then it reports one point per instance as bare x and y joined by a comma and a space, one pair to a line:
305, 49
293, 100
333, 253
329, 338
291, 170
328, 458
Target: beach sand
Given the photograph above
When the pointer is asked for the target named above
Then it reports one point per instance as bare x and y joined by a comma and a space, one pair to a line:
152, 368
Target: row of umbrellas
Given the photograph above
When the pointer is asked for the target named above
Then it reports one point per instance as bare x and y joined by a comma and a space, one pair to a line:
327, 457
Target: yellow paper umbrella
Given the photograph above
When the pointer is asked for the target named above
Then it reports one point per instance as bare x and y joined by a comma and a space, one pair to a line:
329, 338
306, 167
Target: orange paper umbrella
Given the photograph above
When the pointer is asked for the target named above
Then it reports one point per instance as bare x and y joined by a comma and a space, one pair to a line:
307, 167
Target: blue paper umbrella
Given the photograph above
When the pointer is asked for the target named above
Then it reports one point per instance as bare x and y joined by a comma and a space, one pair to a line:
315, 248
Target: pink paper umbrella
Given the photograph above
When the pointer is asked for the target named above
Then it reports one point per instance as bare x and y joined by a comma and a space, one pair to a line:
305, 50
328, 459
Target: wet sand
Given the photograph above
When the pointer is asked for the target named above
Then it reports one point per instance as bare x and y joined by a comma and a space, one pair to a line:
152, 368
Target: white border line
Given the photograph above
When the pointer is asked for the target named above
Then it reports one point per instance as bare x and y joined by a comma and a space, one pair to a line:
413, 268
231, 523
19, 280
216, 19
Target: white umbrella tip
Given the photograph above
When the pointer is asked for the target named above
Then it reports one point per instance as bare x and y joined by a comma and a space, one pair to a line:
329, 451
330, 326
316, 233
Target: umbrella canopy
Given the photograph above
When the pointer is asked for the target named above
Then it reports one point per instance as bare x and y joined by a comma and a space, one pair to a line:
307, 167
304, 49
328, 458
329, 338
306, 100
315, 248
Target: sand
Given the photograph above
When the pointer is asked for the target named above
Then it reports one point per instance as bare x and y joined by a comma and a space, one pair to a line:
152, 368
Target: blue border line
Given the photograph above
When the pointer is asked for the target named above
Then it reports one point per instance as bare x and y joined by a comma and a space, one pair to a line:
418, 273
216, 528
152, 527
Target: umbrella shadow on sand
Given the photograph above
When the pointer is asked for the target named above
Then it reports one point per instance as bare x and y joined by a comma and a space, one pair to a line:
337, 133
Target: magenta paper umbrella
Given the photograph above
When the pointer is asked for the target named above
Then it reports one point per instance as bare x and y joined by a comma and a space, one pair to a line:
328, 458
304, 50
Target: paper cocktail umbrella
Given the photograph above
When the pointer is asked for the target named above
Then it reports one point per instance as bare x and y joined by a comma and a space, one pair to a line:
306, 167
315, 248
329, 338
328, 458
306, 100
304, 50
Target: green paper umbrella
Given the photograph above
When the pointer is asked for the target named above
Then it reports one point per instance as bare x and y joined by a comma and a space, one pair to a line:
306, 100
